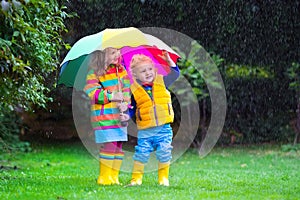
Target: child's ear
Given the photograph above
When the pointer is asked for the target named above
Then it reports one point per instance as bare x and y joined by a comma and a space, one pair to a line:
134, 74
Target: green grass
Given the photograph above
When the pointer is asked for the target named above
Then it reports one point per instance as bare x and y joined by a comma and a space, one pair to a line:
68, 171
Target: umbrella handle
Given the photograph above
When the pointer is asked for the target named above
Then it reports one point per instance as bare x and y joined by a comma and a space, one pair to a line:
119, 86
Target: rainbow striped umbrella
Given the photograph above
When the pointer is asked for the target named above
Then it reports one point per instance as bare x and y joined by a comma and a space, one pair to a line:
129, 40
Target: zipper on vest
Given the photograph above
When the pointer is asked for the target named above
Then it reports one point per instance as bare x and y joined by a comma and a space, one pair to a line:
155, 115
154, 107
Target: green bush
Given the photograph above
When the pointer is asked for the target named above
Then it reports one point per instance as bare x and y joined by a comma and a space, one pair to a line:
30, 43
10, 132
258, 109
290, 148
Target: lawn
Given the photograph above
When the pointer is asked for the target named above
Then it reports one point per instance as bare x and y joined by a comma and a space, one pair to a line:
68, 171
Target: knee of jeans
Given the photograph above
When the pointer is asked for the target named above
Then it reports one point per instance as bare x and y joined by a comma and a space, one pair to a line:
143, 158
141, 150
165, 147
164, 153
166, 157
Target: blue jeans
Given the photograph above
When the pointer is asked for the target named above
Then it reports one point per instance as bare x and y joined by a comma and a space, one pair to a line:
157, 138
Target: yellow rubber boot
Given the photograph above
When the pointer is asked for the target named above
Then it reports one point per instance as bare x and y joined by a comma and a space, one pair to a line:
163, 173
115, 171
137, 173
105, 172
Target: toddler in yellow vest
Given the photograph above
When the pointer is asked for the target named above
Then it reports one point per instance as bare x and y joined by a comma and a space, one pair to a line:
152, 107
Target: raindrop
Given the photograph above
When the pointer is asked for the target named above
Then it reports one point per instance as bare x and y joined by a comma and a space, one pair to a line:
5, 5
17, 4
255, 8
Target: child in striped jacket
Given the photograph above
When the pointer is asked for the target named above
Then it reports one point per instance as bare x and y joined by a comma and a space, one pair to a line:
107, 86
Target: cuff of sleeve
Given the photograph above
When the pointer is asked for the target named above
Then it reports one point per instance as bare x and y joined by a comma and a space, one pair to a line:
109, 95
124, 124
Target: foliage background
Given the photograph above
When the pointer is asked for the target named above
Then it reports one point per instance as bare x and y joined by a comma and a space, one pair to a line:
30, 43
255, 43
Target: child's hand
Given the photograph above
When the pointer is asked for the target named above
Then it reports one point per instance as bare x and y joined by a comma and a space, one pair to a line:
117, 97
122, 106
124, 117
165, 56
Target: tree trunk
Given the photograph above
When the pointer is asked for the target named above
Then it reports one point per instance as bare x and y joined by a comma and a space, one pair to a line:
198, 142
297, 123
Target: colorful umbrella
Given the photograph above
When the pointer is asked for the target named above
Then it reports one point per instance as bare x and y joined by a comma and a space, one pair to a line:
129, 40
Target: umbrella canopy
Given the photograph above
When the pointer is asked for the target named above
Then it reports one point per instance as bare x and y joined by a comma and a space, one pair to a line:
129, 40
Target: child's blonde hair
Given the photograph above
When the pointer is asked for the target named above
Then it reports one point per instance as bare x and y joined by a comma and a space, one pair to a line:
139, 59
98, 61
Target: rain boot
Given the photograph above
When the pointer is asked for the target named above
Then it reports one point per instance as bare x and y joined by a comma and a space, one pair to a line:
163, 173
115, 171
105, 172
137, 173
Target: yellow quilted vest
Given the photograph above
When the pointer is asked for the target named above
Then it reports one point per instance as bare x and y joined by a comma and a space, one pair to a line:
156, 111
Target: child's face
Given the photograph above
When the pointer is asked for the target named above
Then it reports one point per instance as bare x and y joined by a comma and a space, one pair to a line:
112, 56
145, 72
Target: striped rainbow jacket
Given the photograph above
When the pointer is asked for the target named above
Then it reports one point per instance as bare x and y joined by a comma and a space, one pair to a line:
104, 113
